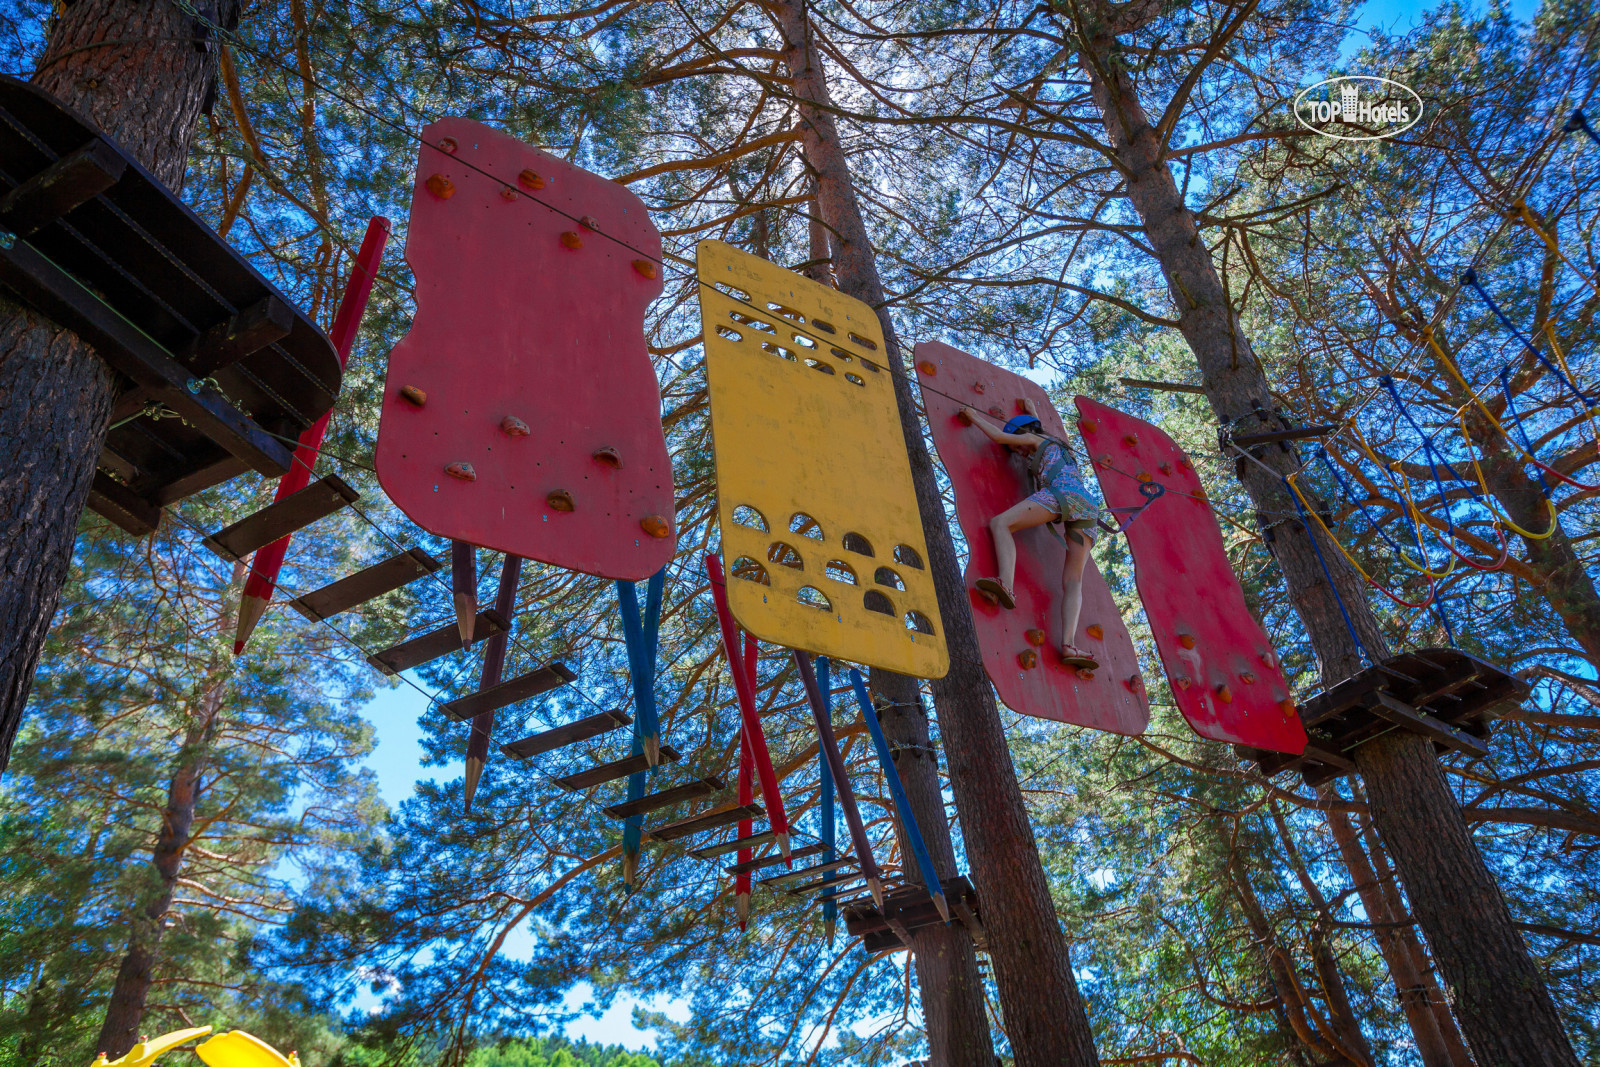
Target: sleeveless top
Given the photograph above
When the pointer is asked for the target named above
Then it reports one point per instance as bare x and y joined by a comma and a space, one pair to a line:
1059, 486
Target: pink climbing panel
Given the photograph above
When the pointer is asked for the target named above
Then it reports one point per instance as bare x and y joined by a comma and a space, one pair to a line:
987, 480
538, 430
1224, 672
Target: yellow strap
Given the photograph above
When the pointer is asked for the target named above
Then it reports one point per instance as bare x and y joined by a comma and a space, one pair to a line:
1526, 217
1402, 487
1323, 527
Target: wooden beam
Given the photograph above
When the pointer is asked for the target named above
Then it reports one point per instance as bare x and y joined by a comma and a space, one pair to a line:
58, 296
76, 177
568, 734
365, 584
257, 326
1404, 715
294, 512
441, 642
112, 500
708, 820
512, 691
666, 798
610, 772
1170, 387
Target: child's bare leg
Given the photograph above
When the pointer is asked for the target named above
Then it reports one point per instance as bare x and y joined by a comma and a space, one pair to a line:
1072, 584
1023, 516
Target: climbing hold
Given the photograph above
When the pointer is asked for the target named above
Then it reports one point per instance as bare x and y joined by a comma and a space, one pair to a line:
1247, 678
977, 387
413, 395
1146, 476
441, 187
588, 223
1183, 683
1035, 637
655, 526
1287, 707
560, 500
609, 456
1134, 682
1088, 425
514, 427
571, 239
463, 471
1130, 440
530, 180
963, 418
1028, 658
1085, 673
448, 144
994, 409
1224, 694
1105, 461
927, 368
1186, 640
646, 268
1096, 631
1165, 468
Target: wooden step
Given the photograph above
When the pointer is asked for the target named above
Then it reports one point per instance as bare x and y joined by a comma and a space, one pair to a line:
753, 841
666, 798
711, 820
773, 859
441, 642
541, 680
808, 872
834, 888
296, 511
364, 585
610, 772
570, 734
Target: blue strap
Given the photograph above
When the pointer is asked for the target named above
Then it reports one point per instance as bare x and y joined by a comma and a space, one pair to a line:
930, 877
642, 638
1326, 574
830, 906
1470, 277
1435, 461
1522, 432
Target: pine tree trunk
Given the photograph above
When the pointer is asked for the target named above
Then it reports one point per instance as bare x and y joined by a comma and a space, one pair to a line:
1400, 950
948, 979
125, 1009
1464, 918
1044, 1012
140, 72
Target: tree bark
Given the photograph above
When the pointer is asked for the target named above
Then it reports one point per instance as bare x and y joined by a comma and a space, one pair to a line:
948, 979
1044, 1012
1439, 1043
1464, 918
125, 1009
142, 72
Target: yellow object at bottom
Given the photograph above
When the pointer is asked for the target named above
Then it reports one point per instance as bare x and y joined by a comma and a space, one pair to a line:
239, 1049
147, 1052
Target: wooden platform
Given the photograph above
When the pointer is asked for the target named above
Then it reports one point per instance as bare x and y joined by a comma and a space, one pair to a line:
511, 691
568, 734
364, 585
1444, 694
909, 908
187, 324
610, 772
431, 646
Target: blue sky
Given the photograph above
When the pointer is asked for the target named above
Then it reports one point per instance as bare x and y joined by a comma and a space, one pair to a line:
397, 712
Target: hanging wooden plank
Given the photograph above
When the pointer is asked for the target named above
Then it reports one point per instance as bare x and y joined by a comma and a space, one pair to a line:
698, 824
803, 873
431, 646
666, 798
296, 511
366, 584
766, 837
513, 690
610, 772
570, 734
773, 859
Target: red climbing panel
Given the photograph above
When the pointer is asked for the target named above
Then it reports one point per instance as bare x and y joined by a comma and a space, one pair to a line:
986, 482
521, 412
1223, 669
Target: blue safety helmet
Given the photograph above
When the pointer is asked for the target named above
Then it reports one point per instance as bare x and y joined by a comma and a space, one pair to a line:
1024, 424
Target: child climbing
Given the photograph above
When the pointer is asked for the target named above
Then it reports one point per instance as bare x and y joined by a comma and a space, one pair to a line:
1059, 496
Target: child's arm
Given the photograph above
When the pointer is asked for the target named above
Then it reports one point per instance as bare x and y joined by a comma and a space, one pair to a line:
993, 431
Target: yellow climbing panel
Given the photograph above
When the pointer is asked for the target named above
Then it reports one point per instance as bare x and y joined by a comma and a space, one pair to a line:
820, 530
148, 1051
239, 1049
